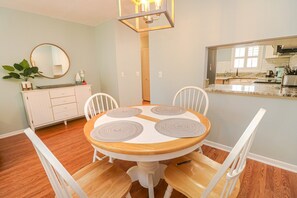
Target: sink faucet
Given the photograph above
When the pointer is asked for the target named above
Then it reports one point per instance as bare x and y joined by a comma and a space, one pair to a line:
236, 72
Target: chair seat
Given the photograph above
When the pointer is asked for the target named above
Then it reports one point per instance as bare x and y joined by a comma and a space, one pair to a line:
102, 179
192, 178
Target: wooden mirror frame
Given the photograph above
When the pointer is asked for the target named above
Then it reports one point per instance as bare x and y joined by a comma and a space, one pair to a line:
33, 64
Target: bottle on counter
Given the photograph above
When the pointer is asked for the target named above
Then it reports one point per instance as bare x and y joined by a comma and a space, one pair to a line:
77, 79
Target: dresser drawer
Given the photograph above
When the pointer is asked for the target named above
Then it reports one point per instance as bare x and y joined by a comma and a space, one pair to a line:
65, 111
65, 114
57, 93
64, 108
63, 100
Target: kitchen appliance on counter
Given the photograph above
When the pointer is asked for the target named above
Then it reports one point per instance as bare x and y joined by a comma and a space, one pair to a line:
279, 71
289, 80
269, 74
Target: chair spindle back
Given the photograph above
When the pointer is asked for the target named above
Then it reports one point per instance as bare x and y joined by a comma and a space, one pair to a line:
58, 176
98, 103
236, 160
191, 97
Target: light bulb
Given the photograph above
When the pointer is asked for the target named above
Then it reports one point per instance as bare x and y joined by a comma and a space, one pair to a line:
158, 4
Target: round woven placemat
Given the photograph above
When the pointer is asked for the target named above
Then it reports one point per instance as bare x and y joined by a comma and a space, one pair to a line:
117, 131
180, 127
168, 110
123, 112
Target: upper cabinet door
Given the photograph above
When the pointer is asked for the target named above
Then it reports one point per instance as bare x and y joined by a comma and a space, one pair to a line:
40, 107
82, 93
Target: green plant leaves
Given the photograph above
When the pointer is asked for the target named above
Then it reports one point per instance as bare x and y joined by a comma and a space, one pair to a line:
25, 64
6, 77
21, 70
18, 67
34, 70
14, 75
27, 72
8, 67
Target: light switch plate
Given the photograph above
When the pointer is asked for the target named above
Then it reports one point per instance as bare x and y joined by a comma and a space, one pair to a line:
160, 74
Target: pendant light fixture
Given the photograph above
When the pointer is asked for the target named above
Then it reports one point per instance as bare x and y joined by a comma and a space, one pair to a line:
146, 15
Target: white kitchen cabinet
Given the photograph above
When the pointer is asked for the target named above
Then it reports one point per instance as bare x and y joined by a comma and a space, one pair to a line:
270, 52
40, 107
49, 106
82, 94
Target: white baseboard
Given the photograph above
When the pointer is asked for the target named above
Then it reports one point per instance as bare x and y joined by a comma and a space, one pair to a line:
256, 157
5, 135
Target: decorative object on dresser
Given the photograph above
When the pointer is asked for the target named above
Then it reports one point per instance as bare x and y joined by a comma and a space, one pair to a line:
49, 106
52, 60
22, 71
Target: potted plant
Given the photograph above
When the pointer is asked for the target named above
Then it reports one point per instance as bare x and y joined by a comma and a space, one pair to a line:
22, 71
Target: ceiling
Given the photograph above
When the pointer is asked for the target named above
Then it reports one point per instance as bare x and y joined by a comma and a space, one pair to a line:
88, 12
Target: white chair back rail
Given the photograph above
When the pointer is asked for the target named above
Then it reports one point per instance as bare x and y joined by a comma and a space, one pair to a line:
192, 97
59, 177
98, 103
236, 159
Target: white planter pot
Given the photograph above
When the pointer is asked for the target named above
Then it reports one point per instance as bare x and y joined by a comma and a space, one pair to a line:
26, 85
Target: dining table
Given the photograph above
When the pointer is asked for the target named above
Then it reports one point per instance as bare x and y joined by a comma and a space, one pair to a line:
152, 133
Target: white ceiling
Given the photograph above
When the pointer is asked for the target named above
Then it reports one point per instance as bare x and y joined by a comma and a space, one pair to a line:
88, 12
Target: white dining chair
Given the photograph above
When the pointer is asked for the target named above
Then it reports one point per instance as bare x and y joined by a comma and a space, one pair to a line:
98, 103
196, 175
194, 98
191, 97
98, 179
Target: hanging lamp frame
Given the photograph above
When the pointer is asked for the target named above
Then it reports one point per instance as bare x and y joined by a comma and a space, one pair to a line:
163, 10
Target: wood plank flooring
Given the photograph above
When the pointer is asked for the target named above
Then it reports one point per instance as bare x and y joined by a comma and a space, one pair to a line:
21, 174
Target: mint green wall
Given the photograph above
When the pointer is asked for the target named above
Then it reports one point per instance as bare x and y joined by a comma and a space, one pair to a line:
106, 58
20, 32
180, 54
128, 63
118, 54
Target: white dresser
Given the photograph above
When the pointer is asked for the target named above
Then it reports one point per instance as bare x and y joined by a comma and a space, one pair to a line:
49, 106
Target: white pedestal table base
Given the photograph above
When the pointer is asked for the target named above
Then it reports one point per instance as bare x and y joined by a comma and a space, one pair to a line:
148, 174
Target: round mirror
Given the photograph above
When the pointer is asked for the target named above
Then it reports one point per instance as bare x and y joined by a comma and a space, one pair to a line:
52, 61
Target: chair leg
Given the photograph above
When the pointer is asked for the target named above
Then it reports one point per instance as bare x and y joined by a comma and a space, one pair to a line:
94, 155
200, 150
168, 192
128, 195
110, 160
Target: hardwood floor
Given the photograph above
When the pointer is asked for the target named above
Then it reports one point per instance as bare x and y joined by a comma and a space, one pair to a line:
21, 174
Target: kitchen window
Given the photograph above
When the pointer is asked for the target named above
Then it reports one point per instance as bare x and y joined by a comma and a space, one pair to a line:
246, 57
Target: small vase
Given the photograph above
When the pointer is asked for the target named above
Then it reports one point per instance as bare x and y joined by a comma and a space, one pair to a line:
26, 85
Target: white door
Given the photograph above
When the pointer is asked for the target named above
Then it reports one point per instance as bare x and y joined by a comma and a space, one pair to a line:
40, 107
82, 93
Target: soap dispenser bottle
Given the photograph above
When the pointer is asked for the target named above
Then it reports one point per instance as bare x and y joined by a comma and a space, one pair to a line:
77, 79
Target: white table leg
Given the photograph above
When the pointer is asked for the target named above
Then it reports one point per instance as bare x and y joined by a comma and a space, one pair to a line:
151, 186
148, 174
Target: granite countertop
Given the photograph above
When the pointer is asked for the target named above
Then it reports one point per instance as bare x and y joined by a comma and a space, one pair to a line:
268, 90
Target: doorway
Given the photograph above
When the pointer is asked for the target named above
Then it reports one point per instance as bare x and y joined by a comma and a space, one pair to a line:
145, 66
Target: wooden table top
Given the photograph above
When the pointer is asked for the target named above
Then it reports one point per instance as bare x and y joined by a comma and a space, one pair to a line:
151, 148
